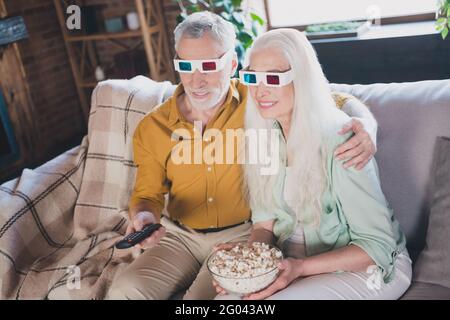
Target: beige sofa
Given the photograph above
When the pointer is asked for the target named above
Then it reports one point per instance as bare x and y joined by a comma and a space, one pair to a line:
410, 117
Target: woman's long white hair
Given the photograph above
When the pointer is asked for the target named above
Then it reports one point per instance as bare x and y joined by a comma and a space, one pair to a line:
312, 115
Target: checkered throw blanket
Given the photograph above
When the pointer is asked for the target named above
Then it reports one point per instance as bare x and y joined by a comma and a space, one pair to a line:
59, 222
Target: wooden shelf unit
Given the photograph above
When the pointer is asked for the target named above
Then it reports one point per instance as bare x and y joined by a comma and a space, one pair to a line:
105, 36
82, 53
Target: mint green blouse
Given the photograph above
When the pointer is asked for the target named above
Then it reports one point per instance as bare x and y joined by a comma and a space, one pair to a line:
354, 211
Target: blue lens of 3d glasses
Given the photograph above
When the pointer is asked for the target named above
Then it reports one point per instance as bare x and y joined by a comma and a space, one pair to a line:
185, 66
250, 78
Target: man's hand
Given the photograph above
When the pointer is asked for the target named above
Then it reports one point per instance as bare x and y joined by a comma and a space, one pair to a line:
359, 149
140, 220
225, 246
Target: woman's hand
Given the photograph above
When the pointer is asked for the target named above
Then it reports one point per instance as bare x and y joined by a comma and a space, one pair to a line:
221, 291
290, 269
225, 246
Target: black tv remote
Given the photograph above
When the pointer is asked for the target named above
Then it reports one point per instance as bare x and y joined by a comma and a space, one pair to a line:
134, 238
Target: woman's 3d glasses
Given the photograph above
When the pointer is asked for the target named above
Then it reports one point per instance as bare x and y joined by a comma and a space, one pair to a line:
210, 65
271, 79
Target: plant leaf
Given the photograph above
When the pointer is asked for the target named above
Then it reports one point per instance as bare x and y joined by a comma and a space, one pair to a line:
444, 33
204, 3
238, 18
180, 18
441, 20
255, 28
257, 18
236, 3
240, 50
225, 15
193, 8
245, 38
228, 6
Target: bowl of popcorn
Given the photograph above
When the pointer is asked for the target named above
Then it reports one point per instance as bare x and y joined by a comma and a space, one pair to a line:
245, 269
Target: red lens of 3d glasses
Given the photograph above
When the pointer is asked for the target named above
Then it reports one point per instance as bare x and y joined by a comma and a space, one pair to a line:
273, 79
209, 66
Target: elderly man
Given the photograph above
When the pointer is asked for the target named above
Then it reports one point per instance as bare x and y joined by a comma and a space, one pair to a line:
206, 203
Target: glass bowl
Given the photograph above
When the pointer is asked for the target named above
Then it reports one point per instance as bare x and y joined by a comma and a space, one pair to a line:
245, 285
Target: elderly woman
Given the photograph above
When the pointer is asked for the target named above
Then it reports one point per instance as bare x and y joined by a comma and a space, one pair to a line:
334, 224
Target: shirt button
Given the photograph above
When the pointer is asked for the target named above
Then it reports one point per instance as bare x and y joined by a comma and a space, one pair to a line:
210, 199
209, 169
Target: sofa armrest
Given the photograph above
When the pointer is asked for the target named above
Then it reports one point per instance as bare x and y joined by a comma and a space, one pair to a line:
36, 209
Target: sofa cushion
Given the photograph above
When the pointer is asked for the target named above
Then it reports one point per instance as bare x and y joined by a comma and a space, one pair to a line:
433, 265
410, 117
426, 291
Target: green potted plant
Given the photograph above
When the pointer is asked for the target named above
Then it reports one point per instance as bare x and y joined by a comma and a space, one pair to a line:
443, 18
246, 24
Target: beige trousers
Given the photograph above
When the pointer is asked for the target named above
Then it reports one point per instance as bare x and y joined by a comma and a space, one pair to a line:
177, 263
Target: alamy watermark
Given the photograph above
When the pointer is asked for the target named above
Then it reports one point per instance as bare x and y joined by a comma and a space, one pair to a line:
234, 146
74, 278
375, 278
373, 13
73, 22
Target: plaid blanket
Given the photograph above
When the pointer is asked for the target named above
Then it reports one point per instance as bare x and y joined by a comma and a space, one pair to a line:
60, 221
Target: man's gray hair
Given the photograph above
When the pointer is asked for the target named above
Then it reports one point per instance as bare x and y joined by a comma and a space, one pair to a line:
196, 24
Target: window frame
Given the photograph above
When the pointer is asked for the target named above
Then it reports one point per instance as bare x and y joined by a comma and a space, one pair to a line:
427, 16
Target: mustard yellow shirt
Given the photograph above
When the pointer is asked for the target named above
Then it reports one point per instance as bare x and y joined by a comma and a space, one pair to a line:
200, 195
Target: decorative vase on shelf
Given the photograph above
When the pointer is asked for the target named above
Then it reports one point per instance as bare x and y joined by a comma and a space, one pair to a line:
132, 21
114, 24
99, 74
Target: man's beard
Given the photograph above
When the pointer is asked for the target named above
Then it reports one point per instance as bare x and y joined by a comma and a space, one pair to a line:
215, 96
